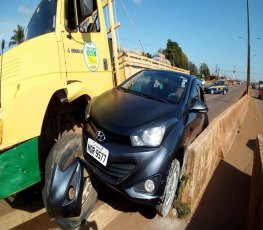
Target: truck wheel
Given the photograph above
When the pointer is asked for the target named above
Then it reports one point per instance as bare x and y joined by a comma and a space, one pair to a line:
65, 150
170, 189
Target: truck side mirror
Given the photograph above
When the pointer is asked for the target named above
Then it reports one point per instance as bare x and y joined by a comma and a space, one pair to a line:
86, 7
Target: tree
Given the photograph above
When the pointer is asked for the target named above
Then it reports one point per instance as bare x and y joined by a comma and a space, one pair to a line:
204, 70
193, 69
184, 61
175, 55
18, 36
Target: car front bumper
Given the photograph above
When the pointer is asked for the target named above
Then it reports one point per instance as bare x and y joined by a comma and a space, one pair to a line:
129, 167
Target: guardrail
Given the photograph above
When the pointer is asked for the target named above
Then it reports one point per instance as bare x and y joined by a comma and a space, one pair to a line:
204, 154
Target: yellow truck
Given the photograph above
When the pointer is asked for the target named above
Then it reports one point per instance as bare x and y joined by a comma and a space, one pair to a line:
47, 81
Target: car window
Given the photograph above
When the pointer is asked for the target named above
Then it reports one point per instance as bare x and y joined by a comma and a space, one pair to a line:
163, 84
194, 94
202, 94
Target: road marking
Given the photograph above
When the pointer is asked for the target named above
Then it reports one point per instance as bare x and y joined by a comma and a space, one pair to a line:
17, 217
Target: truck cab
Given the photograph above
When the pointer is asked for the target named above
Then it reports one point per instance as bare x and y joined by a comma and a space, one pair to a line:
46, 83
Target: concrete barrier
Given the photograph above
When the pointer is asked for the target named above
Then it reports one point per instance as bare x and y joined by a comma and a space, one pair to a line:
255, 214
204, 154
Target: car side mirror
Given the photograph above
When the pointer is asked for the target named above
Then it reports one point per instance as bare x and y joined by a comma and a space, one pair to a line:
199, 107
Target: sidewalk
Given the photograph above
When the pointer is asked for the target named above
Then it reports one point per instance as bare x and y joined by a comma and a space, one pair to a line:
225, 202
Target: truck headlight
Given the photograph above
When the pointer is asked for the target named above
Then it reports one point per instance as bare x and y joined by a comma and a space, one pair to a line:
151, 137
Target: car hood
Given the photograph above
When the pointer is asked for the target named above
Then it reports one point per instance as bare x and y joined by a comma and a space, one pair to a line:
124, 112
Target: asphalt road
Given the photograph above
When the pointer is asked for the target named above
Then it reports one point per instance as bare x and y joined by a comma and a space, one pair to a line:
112, 211
258, 101
217, 103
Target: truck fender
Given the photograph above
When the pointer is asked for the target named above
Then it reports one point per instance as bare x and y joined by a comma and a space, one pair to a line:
76, 89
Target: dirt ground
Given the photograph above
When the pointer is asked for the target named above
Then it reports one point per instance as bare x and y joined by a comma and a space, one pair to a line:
225, 202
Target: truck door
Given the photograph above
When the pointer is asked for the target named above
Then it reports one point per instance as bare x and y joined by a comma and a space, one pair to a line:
85, 44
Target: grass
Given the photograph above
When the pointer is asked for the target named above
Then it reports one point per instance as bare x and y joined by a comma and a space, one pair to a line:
183, 209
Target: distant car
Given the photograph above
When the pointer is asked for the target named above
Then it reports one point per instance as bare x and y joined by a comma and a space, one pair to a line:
255, 86
260, 93
135, 134
218, 87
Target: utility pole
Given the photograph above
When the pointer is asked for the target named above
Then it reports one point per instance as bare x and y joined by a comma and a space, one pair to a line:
234, 73
248, 48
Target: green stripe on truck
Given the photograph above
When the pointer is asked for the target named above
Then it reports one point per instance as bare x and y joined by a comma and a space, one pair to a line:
19, 168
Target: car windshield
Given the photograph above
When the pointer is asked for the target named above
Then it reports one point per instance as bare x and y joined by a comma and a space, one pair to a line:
165, 85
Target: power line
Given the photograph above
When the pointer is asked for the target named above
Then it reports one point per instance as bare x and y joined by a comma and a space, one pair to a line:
236, 71
131, 23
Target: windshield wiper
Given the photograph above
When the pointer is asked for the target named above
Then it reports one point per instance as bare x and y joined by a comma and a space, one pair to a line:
143, 94
152, 97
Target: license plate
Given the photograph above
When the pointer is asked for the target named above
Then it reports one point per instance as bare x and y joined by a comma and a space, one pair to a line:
97, 151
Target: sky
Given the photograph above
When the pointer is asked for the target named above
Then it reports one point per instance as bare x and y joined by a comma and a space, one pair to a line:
208, 31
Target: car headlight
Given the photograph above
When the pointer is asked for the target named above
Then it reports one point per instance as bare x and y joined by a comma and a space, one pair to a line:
151, 137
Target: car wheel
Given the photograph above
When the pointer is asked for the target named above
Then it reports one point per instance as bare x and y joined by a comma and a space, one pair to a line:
224, 91
170, 189
212, 91
65, 150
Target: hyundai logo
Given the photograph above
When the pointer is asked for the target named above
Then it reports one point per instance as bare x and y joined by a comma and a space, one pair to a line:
100, 136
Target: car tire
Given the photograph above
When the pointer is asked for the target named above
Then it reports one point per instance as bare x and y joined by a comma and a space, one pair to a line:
212, 91
65, 150
224, 91
170, 188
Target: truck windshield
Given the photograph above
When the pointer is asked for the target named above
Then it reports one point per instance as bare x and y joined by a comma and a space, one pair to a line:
43, 20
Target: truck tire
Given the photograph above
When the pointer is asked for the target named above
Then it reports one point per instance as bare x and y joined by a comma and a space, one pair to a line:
65, 150
170, 189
